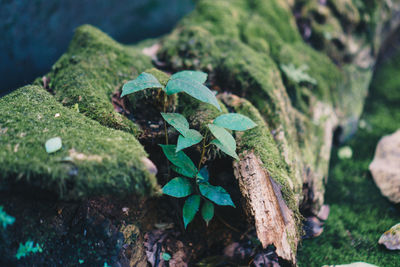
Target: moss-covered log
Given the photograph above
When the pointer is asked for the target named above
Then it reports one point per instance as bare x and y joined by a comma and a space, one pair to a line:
296, 94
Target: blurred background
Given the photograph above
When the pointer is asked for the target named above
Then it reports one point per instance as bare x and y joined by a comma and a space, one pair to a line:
35, 33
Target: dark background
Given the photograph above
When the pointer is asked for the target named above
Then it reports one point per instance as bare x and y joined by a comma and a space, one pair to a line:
35, 33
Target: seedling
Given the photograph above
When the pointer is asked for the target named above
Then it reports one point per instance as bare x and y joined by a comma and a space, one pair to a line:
193, 184
5, 219
27, 249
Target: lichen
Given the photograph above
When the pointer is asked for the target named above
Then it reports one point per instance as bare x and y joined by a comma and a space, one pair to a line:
93, 160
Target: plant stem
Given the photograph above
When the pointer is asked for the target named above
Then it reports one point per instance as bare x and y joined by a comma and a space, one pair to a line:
166, 130
202, 152
165, 122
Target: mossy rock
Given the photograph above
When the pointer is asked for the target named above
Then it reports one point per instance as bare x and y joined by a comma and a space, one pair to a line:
93, 68
94, 160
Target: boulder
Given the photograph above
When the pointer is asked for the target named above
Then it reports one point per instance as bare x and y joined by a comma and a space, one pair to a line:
93, 160
385, 167
391, 238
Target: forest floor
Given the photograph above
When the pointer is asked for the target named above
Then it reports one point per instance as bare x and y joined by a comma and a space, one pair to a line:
359, 214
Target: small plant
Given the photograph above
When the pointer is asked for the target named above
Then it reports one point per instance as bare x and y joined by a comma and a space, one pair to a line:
194, 181
298, 75
28, 248
5, 219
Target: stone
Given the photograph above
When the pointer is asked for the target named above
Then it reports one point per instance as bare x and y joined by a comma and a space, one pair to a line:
385, 167
354, 264
391, 238
93, 159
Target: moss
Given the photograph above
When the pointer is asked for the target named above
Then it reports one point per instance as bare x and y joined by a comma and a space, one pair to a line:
94, 159
198, 114
359, 213
327, 77
95, 67
242, 54
261, 141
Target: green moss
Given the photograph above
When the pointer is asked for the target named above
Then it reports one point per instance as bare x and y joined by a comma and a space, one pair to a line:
93, 160
243, 55
359, 213
199, 114
261, 141
327, 77
95, 67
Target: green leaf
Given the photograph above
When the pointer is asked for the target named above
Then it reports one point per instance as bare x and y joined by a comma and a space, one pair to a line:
177, 121
182, 171
192, 137
190, 208
234, 121
28, 248
225, 140
216, 194
53, 144
192, 88
180, 160
166, 256
207, 211
203, 175
5, 219
198, 76
178, 187
143, 81
225, 149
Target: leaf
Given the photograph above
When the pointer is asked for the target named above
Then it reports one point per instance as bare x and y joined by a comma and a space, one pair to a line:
5, 219
216, 194
177, 121
182, 171
192, 137
192, 88
143, 81
166, 256
190, 208
226, 142
180, 160
178, 187
53, 144
203, 175
234, 121
207, 211
198, 76
28, 248
225, 149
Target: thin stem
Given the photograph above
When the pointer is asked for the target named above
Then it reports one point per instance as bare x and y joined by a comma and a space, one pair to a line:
202, 152
166, 130
165, 122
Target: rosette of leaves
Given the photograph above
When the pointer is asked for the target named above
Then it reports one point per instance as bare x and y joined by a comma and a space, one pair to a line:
193, 182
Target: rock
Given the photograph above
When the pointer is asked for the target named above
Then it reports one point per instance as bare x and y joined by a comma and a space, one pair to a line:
391, 238
385, 167
93, 159
313, 227
354, 264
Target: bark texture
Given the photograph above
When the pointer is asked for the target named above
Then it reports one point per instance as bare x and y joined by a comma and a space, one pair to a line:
274, 221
